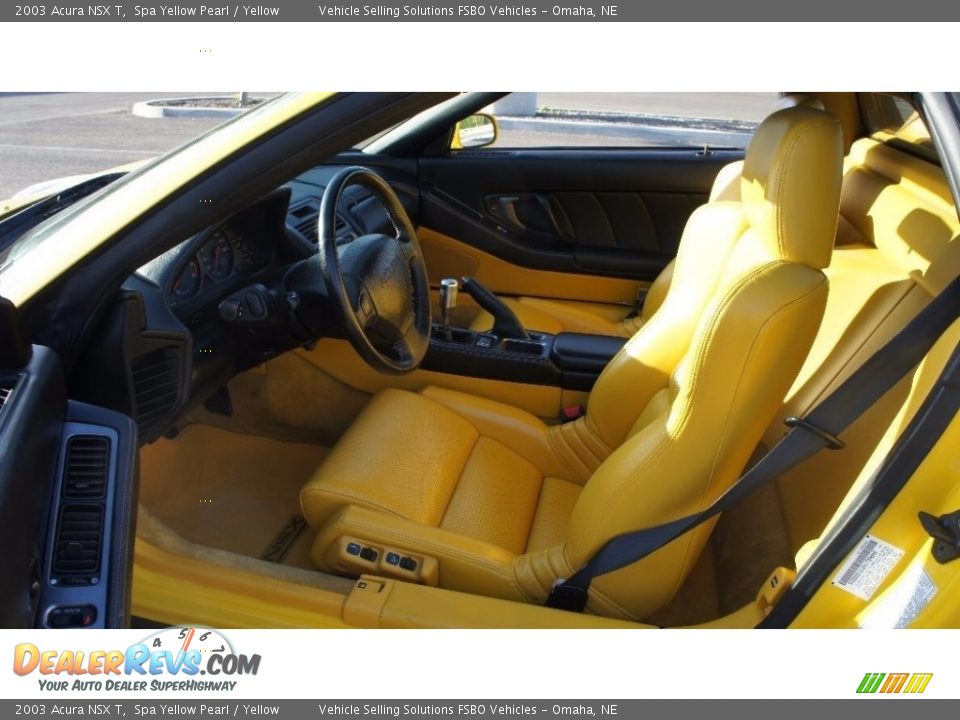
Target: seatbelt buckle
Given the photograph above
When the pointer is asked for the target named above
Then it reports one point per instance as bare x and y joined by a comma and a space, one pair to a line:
774, 588
571, 413
564, 596
638, 302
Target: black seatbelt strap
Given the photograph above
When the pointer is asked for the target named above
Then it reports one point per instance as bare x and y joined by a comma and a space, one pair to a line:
807, 436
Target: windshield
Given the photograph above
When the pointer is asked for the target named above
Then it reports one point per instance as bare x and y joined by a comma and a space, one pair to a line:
28, 263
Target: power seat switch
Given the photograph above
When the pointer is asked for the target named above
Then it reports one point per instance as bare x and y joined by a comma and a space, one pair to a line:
946, 531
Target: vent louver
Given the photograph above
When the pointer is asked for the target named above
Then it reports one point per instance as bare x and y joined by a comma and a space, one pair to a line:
311, 231
86, 467
156, 387
308, 228
79, 535
7, 385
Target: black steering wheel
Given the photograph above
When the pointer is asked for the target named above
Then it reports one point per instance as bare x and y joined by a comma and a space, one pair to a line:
379, 281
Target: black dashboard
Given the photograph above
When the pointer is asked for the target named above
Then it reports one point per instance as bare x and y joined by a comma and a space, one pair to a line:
194, 316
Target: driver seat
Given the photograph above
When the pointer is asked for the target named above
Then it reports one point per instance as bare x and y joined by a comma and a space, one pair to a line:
444, 488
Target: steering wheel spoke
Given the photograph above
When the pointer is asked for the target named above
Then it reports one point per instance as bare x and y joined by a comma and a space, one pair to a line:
379, 280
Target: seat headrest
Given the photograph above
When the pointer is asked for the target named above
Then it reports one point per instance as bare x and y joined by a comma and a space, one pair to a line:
790, 187
844, 107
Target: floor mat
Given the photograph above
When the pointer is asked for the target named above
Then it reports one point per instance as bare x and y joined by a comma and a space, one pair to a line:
229, 491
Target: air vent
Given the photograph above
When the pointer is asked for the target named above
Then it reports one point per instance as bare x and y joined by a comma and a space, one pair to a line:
6, 389
310, 230
78, 540
85, 469
156, 387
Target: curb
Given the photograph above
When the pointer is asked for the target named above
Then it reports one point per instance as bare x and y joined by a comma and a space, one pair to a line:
654, 133
156, 109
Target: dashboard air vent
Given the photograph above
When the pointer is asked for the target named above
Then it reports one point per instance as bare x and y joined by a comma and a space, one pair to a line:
310, 230
79, 536
6, 389
156, 387
86, 467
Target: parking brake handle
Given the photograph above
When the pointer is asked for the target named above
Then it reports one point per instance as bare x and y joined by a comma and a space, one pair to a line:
506, 324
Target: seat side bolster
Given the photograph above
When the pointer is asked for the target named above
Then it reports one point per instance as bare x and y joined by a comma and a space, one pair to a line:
517, 430
469, 565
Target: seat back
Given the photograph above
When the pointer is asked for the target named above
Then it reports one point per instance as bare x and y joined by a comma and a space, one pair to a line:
684, 404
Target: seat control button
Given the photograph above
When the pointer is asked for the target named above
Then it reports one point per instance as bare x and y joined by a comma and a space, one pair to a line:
393, 558
353, 549
408, 564
369, 554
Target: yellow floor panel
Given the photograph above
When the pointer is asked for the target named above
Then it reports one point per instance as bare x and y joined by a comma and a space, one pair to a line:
229, 491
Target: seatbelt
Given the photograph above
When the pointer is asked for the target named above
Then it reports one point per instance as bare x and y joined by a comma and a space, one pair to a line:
807, 436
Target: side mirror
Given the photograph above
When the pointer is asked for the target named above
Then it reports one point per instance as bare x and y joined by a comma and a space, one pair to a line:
475, 131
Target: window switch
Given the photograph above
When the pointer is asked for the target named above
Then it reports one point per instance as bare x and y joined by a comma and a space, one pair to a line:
353, 549
393, 559
368, 554
408, 563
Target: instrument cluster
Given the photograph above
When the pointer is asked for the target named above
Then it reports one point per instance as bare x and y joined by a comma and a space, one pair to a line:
224, 254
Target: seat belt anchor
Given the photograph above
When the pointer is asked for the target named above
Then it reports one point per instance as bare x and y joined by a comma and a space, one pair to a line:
564, 596
945, 530
833, 442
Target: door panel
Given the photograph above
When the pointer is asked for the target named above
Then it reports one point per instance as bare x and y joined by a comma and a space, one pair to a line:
613, 212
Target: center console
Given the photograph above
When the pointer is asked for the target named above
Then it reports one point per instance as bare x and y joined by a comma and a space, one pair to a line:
572, 361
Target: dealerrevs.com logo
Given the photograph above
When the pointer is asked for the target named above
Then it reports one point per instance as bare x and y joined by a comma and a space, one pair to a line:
892, 683
170, 660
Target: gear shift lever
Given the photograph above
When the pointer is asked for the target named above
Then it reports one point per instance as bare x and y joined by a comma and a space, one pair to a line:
448, 301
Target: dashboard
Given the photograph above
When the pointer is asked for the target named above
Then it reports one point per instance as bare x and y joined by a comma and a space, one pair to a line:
176, 335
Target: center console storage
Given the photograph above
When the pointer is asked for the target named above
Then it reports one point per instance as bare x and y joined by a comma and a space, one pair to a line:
572, 361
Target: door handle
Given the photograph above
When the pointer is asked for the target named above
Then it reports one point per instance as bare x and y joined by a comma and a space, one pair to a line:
507, 206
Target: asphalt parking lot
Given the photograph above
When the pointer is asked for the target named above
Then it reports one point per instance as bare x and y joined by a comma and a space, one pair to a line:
49, 135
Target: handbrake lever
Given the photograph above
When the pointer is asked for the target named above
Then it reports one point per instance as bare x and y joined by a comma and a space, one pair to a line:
506, 324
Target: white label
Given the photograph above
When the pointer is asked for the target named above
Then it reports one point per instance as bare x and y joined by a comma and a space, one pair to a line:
868, 566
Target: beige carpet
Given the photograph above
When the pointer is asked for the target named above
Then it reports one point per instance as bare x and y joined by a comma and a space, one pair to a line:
229, 491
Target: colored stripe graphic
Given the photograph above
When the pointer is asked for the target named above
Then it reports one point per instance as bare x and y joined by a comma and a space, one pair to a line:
918, 682
870, 682
894, 683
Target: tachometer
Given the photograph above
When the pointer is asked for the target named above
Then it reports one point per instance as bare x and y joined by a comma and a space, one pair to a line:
187, 283
217, 254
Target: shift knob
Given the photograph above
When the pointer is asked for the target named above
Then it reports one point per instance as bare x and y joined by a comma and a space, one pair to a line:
448, 300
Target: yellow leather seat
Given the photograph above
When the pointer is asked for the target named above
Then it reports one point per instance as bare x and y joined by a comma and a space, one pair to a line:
556, 316
486, 498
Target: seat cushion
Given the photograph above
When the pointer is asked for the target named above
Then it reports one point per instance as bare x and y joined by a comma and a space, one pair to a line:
410, 456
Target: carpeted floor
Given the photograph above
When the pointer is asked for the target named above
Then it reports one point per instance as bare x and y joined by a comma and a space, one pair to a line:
229, 491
